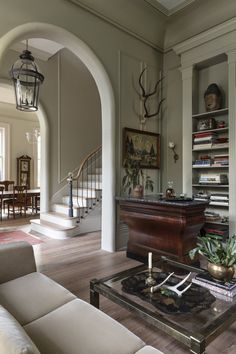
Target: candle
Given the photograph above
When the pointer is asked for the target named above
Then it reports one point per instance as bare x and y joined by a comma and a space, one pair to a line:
150, 260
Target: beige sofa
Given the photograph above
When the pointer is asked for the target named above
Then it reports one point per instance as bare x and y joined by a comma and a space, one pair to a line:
37, 315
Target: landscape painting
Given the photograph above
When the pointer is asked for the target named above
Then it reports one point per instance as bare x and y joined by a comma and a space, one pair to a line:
141, 146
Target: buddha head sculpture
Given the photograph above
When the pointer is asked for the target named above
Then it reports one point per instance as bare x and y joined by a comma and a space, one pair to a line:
213, 98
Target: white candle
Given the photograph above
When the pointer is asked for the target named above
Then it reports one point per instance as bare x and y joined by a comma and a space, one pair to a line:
149, 260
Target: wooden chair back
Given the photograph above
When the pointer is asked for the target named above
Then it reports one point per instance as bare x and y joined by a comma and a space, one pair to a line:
8, 185
18, 202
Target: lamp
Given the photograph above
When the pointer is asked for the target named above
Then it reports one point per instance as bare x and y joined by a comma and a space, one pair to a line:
27, 80
172, 147
32, 137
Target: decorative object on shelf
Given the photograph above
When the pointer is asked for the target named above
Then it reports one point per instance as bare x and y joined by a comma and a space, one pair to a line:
170, 192
23, 170
150, 281
221, 256
173, 288
141, 146
213, 97
206, 124
135, 180
27, 80
145, 96
32, 137
172, 147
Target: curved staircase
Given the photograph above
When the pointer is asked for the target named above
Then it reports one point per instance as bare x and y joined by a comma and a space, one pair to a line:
82, 202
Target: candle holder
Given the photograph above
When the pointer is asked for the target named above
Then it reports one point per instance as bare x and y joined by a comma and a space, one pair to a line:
150, 281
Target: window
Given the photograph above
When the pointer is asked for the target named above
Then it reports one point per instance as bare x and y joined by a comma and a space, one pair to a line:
4, 151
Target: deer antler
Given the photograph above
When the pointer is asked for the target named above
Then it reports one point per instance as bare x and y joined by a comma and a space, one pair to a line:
145, 96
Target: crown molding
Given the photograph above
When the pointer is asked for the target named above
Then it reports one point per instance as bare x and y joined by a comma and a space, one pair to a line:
159, 7
116, 24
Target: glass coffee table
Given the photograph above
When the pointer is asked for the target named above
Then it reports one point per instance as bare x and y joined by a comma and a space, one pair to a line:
195, 319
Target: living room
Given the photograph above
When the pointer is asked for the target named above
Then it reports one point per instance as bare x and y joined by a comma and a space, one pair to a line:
115, 41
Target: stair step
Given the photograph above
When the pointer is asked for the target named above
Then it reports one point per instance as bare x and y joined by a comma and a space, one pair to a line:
91, 184
59, 219
53, 230
64, 209
94, 177
88, 192
81, 202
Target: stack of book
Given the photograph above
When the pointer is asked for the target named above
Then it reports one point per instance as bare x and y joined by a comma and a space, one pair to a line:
201, 196
221, 142
203, 140
212, 216
223, 290
203, 161
219, 199
221, 160
216, 233
214, 178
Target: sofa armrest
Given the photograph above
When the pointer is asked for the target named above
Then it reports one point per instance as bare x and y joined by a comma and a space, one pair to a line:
148, 350
16, 260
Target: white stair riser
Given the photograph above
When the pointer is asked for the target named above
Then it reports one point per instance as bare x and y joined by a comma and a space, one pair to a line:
91, 184
57, 234
94, 178
82, 202
91, 193
58, 220
64, 209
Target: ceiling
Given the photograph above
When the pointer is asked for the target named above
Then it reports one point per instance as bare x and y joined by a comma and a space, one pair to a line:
169, 7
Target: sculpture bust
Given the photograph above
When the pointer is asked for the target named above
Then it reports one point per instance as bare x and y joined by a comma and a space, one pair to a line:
213, 98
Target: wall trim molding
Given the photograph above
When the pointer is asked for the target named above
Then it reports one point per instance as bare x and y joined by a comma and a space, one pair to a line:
117, 25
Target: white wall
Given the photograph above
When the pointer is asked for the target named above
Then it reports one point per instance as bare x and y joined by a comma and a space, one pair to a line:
19, 124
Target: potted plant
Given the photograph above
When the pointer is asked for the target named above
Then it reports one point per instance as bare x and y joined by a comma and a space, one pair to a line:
221, 256
135, 180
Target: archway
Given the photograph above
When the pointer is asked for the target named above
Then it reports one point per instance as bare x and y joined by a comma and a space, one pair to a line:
86, 55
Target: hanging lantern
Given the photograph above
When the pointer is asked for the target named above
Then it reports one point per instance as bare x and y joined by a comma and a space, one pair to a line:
27, 80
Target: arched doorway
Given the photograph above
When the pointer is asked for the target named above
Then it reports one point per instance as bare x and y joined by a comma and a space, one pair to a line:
90, 60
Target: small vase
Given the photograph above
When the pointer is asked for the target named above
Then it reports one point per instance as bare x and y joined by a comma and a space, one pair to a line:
138, 191
220, 272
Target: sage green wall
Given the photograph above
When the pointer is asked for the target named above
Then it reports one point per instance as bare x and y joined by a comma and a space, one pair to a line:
113, 46
19, 124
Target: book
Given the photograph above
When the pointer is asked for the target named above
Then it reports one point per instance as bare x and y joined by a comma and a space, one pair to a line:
224, 288
202, 146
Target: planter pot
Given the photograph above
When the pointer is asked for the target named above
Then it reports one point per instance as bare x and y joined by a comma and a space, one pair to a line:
220, 272
138, 191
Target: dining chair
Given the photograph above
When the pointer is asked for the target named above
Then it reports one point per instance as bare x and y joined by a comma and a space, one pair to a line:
8, 186
1, 200
19, 201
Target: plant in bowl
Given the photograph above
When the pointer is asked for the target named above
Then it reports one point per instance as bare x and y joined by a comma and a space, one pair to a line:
134, 179
221, 256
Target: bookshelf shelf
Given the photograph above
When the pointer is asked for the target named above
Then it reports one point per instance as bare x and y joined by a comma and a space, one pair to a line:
217, 223
211, 185
211, 148
219, 112
217, 130
211, 167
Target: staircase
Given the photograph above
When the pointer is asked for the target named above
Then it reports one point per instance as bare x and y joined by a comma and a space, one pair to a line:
79, 211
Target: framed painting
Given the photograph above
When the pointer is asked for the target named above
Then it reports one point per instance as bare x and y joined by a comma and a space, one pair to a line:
141, 146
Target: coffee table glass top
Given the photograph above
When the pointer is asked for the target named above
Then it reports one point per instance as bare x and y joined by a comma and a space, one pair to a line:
196, 311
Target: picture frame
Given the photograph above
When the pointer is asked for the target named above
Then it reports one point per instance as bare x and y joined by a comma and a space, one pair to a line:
142, 146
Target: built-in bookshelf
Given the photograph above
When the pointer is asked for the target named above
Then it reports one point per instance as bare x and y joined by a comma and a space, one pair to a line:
210, 152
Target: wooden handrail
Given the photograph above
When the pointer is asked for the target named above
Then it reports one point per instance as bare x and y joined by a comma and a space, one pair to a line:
85, 160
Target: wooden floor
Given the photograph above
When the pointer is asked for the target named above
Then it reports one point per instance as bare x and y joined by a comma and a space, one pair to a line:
75, 261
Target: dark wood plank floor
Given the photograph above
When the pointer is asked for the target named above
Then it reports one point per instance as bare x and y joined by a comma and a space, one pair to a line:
75, 261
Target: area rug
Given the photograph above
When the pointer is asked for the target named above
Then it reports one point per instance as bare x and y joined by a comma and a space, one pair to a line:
13, 236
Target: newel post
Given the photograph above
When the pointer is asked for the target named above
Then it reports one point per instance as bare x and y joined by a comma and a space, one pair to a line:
70, 181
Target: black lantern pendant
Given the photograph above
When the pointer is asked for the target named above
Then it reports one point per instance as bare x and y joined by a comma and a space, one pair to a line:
27, 80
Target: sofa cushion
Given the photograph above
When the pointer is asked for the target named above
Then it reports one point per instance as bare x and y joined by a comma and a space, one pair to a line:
13, 338
80, 328
148, 350
32, 296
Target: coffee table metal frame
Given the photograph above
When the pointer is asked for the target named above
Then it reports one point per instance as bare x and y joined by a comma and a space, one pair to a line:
197, 342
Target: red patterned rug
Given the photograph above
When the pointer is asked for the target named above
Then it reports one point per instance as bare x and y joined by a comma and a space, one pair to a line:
13, 236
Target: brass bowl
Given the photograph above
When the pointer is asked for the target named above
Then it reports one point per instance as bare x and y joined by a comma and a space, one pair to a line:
220, 272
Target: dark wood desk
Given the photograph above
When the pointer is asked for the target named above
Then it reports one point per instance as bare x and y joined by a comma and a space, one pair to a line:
164, 227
